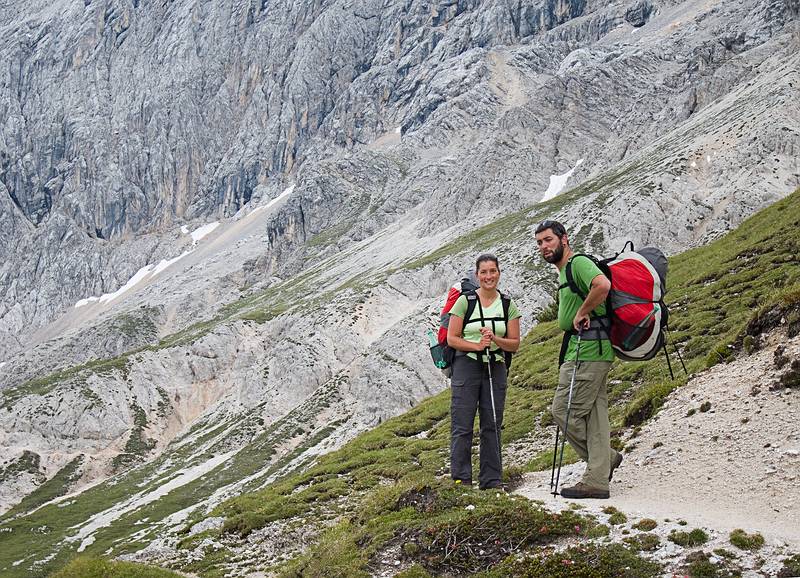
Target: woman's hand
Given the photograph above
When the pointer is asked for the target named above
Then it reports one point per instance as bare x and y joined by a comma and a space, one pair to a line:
486, 339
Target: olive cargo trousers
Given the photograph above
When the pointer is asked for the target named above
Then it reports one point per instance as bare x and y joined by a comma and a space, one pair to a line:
589, 432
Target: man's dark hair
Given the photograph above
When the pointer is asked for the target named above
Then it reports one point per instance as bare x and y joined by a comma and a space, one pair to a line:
557, 228
486, 257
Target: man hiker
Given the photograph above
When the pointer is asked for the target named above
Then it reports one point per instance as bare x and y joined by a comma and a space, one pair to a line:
589, 431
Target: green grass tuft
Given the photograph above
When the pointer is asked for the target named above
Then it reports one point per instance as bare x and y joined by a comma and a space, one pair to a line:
696, 537
791, 567
645, 525
745, 541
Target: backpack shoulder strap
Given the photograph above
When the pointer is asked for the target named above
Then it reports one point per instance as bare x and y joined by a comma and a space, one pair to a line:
472, 300
507, 355
572, 284
506, 301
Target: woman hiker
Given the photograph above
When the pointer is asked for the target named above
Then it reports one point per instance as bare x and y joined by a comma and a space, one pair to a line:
479, 373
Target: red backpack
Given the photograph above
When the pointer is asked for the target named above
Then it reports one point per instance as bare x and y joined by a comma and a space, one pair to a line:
636, 316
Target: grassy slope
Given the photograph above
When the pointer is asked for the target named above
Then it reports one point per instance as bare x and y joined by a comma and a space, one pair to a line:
395, 474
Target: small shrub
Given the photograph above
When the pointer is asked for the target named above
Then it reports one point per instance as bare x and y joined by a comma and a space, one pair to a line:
617, 518
745, 541
700, 566
470, 541
696, 537
791, 567
691, 412
598, 531
645, 524
643, 542
703, 569
705, 407
596, 561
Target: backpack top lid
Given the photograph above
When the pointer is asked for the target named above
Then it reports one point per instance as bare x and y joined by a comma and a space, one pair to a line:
468, 284
658, 260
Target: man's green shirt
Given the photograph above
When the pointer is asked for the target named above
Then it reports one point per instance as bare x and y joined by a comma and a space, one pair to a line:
583, 271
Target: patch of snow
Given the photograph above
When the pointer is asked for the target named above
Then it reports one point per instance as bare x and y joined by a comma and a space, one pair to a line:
288, 191
2, 363
693, 165
558, 182
185, 230
86, 301
140, 275
167, 262
105, 518
399, 130
708, 158
201, 232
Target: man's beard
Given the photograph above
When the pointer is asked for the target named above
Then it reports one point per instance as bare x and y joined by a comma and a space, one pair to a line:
556, 256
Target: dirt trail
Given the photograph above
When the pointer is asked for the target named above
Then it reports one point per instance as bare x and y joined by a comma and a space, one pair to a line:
735, 465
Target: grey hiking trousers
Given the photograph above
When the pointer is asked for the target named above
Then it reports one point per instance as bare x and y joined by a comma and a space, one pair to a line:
470, 392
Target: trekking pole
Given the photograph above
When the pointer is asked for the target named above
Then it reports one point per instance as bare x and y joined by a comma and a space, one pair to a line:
494, 414
677, 351
569, 406
555, 455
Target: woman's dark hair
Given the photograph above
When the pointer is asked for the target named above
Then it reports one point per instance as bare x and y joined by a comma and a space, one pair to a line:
557, 228
486, 257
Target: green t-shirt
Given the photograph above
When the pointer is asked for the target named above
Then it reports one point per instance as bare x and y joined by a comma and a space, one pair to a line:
472, 331
583, 271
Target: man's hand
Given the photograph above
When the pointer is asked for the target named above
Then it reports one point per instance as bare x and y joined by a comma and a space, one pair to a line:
581, 322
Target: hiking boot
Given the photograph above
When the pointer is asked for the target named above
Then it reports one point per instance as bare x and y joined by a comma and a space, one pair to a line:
465, 483
614, 466
495, 486
581, 490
